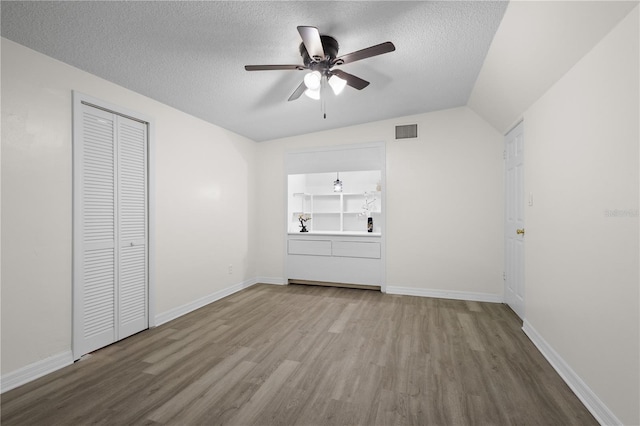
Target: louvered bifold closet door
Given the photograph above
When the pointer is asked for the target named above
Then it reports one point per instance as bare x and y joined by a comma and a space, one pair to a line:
110, 290
95, 233
132, 167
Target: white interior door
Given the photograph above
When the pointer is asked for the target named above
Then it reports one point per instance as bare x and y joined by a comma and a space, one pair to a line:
110, 275
514, 220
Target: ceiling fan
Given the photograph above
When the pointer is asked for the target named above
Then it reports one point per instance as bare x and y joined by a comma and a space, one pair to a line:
320, 56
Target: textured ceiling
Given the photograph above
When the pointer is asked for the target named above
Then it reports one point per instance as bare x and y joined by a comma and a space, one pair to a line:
191, 55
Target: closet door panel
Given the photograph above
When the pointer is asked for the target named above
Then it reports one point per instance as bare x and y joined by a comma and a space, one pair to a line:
132, 174
99, 296
94, 293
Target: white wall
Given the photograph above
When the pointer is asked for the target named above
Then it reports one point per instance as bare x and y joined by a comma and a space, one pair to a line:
582, 248
205, 199
444, 206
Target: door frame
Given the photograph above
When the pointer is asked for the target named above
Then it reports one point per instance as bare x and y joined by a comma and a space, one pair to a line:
78, 99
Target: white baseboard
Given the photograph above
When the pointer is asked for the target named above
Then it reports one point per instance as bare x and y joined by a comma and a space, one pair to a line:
598, 409
445, 294
272, 280
33, 371
203, 301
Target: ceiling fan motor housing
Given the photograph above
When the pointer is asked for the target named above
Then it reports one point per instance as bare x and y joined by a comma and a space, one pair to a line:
330, 47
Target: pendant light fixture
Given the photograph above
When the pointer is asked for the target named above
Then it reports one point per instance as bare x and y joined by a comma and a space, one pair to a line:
337, 184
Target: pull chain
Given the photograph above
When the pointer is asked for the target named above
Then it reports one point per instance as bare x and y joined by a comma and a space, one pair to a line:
322, 96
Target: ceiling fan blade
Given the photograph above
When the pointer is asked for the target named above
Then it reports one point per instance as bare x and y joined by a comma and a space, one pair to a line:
273, 67
312, 42
376, 50
298, 92
352, 80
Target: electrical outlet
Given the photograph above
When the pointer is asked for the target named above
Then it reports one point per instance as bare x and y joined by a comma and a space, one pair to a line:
230, 269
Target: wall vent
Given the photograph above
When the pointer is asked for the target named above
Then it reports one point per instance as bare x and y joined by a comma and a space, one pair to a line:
407, 131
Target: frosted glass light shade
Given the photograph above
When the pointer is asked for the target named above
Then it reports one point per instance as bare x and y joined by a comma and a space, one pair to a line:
313, 94
312, 80
337, 84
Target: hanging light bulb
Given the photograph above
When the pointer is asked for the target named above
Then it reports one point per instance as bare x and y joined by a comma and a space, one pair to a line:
337, 84
337, 184
312, 80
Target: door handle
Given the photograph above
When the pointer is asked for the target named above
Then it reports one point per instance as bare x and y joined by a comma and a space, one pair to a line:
520, 231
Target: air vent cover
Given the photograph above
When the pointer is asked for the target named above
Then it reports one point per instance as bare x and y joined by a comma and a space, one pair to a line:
407, 131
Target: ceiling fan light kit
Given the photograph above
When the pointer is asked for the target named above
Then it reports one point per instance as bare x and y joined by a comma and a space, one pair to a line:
320, 56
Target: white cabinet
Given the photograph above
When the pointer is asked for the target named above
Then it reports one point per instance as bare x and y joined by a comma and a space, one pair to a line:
346, 259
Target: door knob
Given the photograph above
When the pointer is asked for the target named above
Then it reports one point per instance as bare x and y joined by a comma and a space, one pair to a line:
520, 231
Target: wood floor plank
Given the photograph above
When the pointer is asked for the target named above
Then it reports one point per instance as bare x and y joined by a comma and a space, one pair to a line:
195, 390
470, 333
265, 393
194, 344
201, 405
341, 321
306, 355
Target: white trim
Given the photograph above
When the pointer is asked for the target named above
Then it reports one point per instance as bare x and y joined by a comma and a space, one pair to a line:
203, 301
518, 121
596, 407
272, 280
445, 294
35, 370
151, 219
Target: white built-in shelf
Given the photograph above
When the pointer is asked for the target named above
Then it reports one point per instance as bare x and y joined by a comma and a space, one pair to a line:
339, 212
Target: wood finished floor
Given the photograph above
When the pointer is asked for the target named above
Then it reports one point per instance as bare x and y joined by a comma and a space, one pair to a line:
285, 355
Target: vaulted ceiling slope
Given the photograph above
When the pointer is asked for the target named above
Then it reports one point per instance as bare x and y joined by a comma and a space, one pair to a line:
190, 55
536, 44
